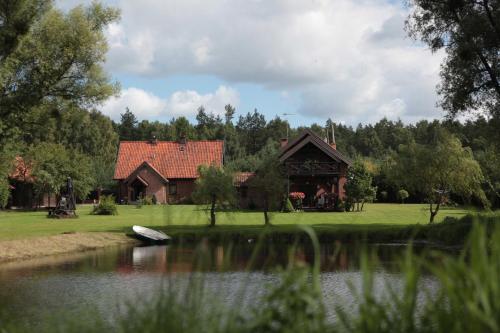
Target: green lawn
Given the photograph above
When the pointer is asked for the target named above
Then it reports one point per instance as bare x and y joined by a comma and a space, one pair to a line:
16, 225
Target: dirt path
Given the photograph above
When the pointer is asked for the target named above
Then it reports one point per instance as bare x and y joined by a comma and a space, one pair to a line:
59, 244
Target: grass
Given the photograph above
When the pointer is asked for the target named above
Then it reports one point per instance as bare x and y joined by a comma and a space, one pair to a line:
179, 219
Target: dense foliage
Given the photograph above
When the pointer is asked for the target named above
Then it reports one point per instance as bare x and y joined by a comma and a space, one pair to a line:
439, 169
215, 188
358, 188
51, 81
106, 206
469, 32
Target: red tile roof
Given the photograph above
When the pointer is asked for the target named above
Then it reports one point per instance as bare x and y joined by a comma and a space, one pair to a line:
170, 159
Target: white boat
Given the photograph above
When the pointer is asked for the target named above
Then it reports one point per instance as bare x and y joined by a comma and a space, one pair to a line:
150, 234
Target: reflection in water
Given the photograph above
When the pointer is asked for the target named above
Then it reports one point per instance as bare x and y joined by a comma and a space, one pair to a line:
104, 280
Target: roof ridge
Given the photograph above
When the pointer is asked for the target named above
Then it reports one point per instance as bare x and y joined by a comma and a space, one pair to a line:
169, 141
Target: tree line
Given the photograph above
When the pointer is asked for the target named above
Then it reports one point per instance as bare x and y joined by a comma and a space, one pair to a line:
377, 145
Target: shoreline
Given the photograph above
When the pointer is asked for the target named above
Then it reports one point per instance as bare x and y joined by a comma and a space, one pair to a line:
66, 243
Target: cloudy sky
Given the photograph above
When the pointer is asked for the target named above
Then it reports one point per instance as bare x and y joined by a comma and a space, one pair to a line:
348, 60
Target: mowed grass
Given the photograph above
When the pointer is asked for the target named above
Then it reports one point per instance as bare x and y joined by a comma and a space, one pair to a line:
18, 225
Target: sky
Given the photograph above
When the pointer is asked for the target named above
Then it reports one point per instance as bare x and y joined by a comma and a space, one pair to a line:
303, 60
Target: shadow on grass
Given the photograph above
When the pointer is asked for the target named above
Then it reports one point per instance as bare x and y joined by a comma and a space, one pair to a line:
451, 232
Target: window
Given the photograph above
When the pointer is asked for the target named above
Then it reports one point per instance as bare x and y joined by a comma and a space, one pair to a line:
172, 188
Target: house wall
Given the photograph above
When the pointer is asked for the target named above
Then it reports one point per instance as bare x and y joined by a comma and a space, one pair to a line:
156, 186
23, 196
185, 188
342, 181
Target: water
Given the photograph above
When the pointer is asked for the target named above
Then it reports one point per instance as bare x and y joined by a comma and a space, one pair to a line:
104, 281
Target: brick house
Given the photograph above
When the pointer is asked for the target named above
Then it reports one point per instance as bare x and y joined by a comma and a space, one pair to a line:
312, 165
166, 169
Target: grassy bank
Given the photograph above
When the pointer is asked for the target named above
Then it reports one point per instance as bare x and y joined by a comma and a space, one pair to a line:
183, 219
35, 247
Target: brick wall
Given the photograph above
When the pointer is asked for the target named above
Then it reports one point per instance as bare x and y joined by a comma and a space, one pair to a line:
156, 186
185, 188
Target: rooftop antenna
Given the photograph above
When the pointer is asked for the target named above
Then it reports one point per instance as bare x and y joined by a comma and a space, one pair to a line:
287, 125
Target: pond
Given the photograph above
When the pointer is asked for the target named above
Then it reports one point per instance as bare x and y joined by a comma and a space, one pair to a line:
105, 280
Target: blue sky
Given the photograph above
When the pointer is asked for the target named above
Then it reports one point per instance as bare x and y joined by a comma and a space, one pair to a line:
317, 59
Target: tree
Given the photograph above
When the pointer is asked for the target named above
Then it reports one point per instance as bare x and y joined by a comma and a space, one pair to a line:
128, 126
229, 112
52, 56
182, 128
251, 131
269, 179
403, 195
6, 164
359, 187
437, 169
52, 164
469, 31
210, 126
214, 187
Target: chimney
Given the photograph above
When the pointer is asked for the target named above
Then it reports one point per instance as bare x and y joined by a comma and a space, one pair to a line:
182, 139
333, 144
283, 142
153, 140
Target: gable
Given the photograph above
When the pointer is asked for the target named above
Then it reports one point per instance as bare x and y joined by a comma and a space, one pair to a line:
310, 146
169, 159
310, 152
143, 172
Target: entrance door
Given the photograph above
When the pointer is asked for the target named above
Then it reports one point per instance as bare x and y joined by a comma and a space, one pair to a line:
138, 190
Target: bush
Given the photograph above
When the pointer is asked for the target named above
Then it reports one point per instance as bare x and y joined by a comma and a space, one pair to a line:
288, 207
339, 205
154, 200
4, 192
106, 206
403, 195
147, 200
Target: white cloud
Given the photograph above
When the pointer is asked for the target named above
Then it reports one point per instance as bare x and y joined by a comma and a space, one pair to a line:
180, 103
345, 58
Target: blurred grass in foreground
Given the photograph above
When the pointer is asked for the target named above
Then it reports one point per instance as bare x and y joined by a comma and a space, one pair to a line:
468, 299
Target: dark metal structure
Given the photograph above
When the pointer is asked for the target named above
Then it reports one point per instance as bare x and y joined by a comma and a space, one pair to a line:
66, 207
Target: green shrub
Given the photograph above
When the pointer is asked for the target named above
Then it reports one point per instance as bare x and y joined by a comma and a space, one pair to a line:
383, 195
288, 207
4, 192
154, 200
403, 195
339, 205
106, 206
147, 200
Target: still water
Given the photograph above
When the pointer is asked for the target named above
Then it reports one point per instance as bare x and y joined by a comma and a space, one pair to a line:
104, 281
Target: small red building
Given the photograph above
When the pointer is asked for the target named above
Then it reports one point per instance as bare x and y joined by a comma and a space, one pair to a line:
165, 169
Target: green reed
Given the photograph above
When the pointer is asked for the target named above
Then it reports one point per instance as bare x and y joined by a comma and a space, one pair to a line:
467, 299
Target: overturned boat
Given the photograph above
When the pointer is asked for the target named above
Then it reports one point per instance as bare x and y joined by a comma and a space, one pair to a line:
150, 235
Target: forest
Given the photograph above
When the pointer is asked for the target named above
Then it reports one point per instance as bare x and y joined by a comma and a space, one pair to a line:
53, 84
